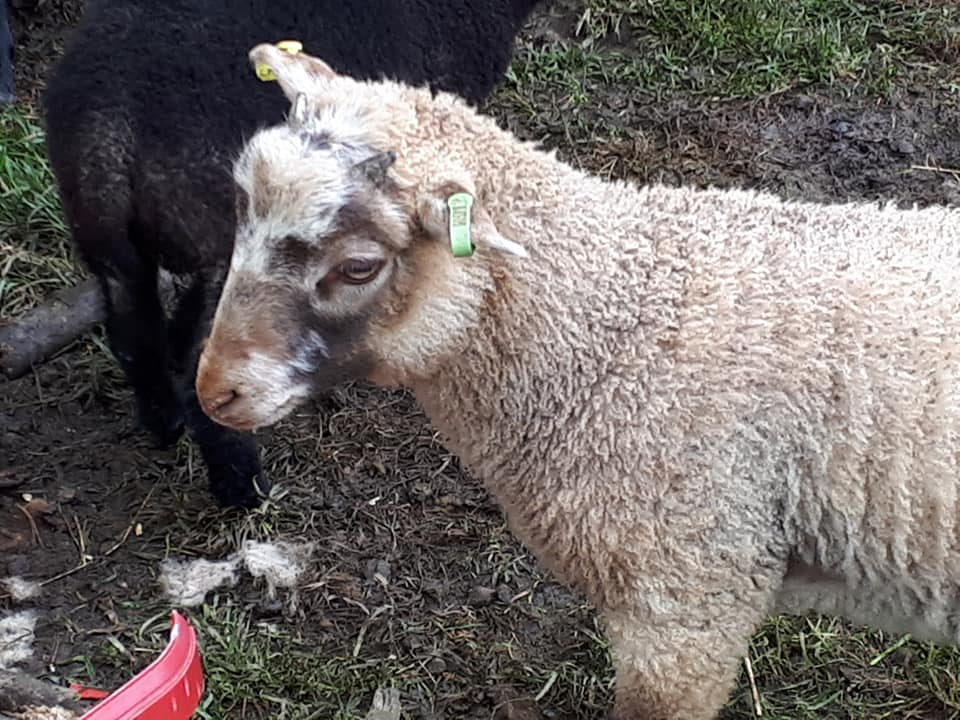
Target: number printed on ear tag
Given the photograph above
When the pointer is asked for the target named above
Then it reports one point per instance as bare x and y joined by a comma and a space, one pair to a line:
459, 205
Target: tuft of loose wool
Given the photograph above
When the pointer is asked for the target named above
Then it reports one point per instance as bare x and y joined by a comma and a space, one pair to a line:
19, 588
280, 563
187, 582
16, 638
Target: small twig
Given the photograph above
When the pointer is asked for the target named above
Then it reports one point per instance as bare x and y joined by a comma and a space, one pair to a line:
363, 628
937, 169
757, 707
65, 573
33, 524
132, 525
81, 541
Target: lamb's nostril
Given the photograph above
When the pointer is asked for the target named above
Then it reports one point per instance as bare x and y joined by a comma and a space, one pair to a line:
221, 401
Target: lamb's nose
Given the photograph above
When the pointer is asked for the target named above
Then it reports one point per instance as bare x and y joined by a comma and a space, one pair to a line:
222, 400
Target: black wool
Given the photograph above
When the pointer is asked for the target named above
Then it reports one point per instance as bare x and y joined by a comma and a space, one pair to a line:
146, 111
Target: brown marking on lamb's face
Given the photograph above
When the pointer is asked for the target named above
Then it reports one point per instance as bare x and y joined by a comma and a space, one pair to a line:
434, 302
267, 351
322, 330
290, 256
300, 320
248, 344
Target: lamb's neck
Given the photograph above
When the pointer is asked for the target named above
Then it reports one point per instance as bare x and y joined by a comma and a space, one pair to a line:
492, 401
529, 369
558, 323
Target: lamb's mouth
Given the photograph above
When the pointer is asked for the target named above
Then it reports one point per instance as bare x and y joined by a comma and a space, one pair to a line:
247, 414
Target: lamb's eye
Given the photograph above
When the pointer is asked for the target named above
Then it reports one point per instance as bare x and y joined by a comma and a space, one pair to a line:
358, 271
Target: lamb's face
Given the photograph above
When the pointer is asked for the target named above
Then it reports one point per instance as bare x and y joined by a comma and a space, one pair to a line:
315, 264
340, 270
331, 279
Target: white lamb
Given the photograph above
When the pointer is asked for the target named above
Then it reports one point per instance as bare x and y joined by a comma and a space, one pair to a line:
698, 407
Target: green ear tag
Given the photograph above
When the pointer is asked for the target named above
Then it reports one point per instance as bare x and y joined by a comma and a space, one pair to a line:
459, 205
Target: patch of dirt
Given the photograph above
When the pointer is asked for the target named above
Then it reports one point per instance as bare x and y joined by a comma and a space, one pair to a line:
813, 145
400, 530
809, 146
40, 28
415, 559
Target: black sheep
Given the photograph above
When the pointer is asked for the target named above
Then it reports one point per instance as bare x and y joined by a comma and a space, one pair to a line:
145, 112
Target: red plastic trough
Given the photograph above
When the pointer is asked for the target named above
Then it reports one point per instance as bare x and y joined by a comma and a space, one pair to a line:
169, 688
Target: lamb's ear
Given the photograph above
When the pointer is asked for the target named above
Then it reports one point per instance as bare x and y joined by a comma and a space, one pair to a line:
452, 215
294, 70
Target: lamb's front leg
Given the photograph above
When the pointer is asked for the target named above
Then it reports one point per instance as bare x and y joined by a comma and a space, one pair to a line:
677, 648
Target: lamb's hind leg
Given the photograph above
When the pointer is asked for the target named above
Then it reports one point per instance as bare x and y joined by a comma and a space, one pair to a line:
232, 458
678, 650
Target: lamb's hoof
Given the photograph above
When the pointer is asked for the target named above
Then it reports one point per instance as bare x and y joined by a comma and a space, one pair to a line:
234, 486
162, 416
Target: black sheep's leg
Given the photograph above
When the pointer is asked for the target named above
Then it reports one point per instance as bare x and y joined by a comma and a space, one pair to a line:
232, 458
185, 325
136, 332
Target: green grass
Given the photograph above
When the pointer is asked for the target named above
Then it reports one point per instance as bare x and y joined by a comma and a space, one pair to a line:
747, 48
814, 667
254, 669
264, 670
805, 668
35, 254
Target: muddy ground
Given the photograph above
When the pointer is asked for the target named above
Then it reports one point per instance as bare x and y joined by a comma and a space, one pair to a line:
415, 578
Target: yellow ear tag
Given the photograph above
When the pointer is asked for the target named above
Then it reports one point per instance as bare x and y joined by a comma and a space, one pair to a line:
265, 72
290, 46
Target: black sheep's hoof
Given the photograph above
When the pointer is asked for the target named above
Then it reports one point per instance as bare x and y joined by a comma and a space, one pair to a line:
163, 417
239, 484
